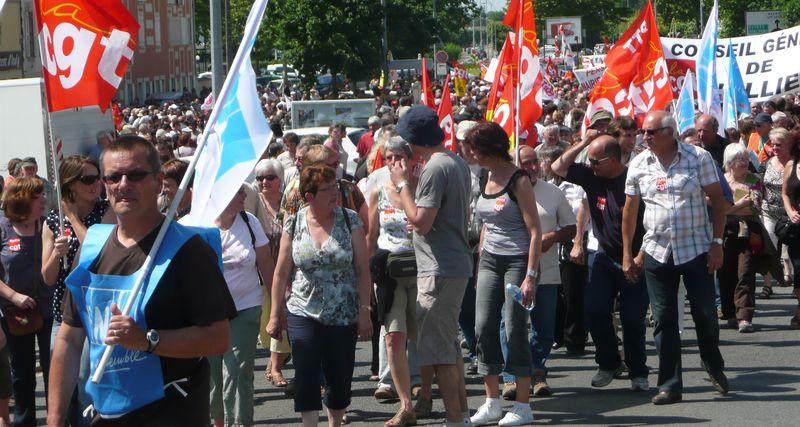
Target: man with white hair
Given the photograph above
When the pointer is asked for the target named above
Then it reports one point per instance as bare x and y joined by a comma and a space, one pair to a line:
673, 180
368, 137
552, 138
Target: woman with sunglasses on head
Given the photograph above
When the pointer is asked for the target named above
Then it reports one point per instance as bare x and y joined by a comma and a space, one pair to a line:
269, 181
323, 261
24, 298
772, 204
82, 207
390, 231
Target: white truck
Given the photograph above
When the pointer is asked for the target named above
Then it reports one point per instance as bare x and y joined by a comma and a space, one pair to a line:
24, 130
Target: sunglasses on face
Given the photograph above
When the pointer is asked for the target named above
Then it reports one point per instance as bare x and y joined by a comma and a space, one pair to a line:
266, 177
652, 132
88, 179
133, 176
596, 162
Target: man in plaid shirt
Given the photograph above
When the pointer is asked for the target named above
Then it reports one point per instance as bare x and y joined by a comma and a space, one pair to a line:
674, 180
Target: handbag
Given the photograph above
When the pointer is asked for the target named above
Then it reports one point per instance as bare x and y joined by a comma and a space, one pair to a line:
786, 230
401, 265
23, 321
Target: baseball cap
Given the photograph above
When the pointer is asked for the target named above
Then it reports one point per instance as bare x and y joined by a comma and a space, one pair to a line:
420, 126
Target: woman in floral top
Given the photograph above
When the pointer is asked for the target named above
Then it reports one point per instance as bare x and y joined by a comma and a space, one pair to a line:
328, 306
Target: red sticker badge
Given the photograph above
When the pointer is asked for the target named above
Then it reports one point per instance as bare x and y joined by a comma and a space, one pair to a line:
14, 244
499, 204
601, 203
661, 183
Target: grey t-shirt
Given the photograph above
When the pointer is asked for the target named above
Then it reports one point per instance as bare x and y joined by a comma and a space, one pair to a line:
445, 184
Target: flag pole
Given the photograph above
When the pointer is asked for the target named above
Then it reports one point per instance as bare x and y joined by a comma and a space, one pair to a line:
253, 21
56, 179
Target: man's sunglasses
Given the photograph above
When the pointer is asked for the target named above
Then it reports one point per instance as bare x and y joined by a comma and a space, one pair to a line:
133, 176
596, 162
652, 132
88, 179
267, 177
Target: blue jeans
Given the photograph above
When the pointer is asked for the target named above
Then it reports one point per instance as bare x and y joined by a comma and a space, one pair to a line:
80, 399
662, 284
606, 282
543, 325
494, 306
23, 370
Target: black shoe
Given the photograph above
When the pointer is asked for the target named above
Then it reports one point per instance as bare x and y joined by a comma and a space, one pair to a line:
556, 345
575, 352
472, 368
667, 398
718, 380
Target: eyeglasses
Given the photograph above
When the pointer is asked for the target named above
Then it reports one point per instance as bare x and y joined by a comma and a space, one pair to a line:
266, 177
133, 176
596, 162
652, 132
88, 179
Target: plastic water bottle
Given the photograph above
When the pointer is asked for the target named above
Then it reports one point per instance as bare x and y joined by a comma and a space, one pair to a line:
516, 293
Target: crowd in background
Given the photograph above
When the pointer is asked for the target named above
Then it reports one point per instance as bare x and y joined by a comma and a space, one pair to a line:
315, 257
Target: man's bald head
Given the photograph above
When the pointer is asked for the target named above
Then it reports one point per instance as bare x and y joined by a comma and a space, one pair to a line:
707, 127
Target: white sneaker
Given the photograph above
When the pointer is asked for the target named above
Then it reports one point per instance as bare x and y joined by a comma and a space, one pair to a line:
487, 414
519, 415
640, 384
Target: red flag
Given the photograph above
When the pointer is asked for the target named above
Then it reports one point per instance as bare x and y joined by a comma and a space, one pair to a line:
117, 116
526, 58
569, 76
636, 80
503, 76
484, 67
86, 47
446, 121
551, 69
606, 44
427, 98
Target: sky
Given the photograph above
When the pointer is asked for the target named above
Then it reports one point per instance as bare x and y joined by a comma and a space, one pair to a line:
495, 4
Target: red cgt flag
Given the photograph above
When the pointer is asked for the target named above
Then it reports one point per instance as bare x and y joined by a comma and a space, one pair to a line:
636, 80
446, 121
427, 98
86, 47
526, 58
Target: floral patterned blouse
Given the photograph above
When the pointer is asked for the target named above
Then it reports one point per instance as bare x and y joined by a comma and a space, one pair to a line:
325, 286
772, 204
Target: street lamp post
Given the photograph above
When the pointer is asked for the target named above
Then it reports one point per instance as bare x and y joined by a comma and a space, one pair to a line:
385, 61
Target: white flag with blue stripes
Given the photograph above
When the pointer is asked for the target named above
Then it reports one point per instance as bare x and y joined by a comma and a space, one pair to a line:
708, 96
237, 134
684, 112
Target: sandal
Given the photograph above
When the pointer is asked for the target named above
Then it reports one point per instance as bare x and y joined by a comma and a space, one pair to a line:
277, 380
766, 292
402, 418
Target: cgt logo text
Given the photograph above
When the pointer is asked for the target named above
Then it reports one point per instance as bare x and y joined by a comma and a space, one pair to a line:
68, 49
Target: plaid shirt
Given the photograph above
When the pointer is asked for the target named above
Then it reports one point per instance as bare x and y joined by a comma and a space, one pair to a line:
676, 216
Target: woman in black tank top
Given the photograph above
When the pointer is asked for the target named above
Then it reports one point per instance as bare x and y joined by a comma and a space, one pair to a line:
791, 202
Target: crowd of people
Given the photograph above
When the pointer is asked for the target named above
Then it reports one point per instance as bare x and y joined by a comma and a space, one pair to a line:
478, 261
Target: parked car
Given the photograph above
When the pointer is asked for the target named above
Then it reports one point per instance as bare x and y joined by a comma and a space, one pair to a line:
163, 97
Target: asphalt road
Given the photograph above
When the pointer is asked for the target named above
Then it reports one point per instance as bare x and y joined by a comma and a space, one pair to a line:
762, 368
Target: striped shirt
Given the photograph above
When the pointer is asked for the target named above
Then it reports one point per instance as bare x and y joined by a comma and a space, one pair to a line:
676, 216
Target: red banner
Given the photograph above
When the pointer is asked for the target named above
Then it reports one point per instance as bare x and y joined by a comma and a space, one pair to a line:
636, 80
427, 98
551, 69
86, 47
446, 121
526, 58
504, 76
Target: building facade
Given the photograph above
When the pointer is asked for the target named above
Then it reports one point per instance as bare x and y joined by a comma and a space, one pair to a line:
164, 60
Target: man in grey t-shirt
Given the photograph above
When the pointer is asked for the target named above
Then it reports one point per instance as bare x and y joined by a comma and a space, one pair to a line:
440, 217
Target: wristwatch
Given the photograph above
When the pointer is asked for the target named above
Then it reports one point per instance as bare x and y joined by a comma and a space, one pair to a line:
153, 339
399, 187
717, 240
532, 273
